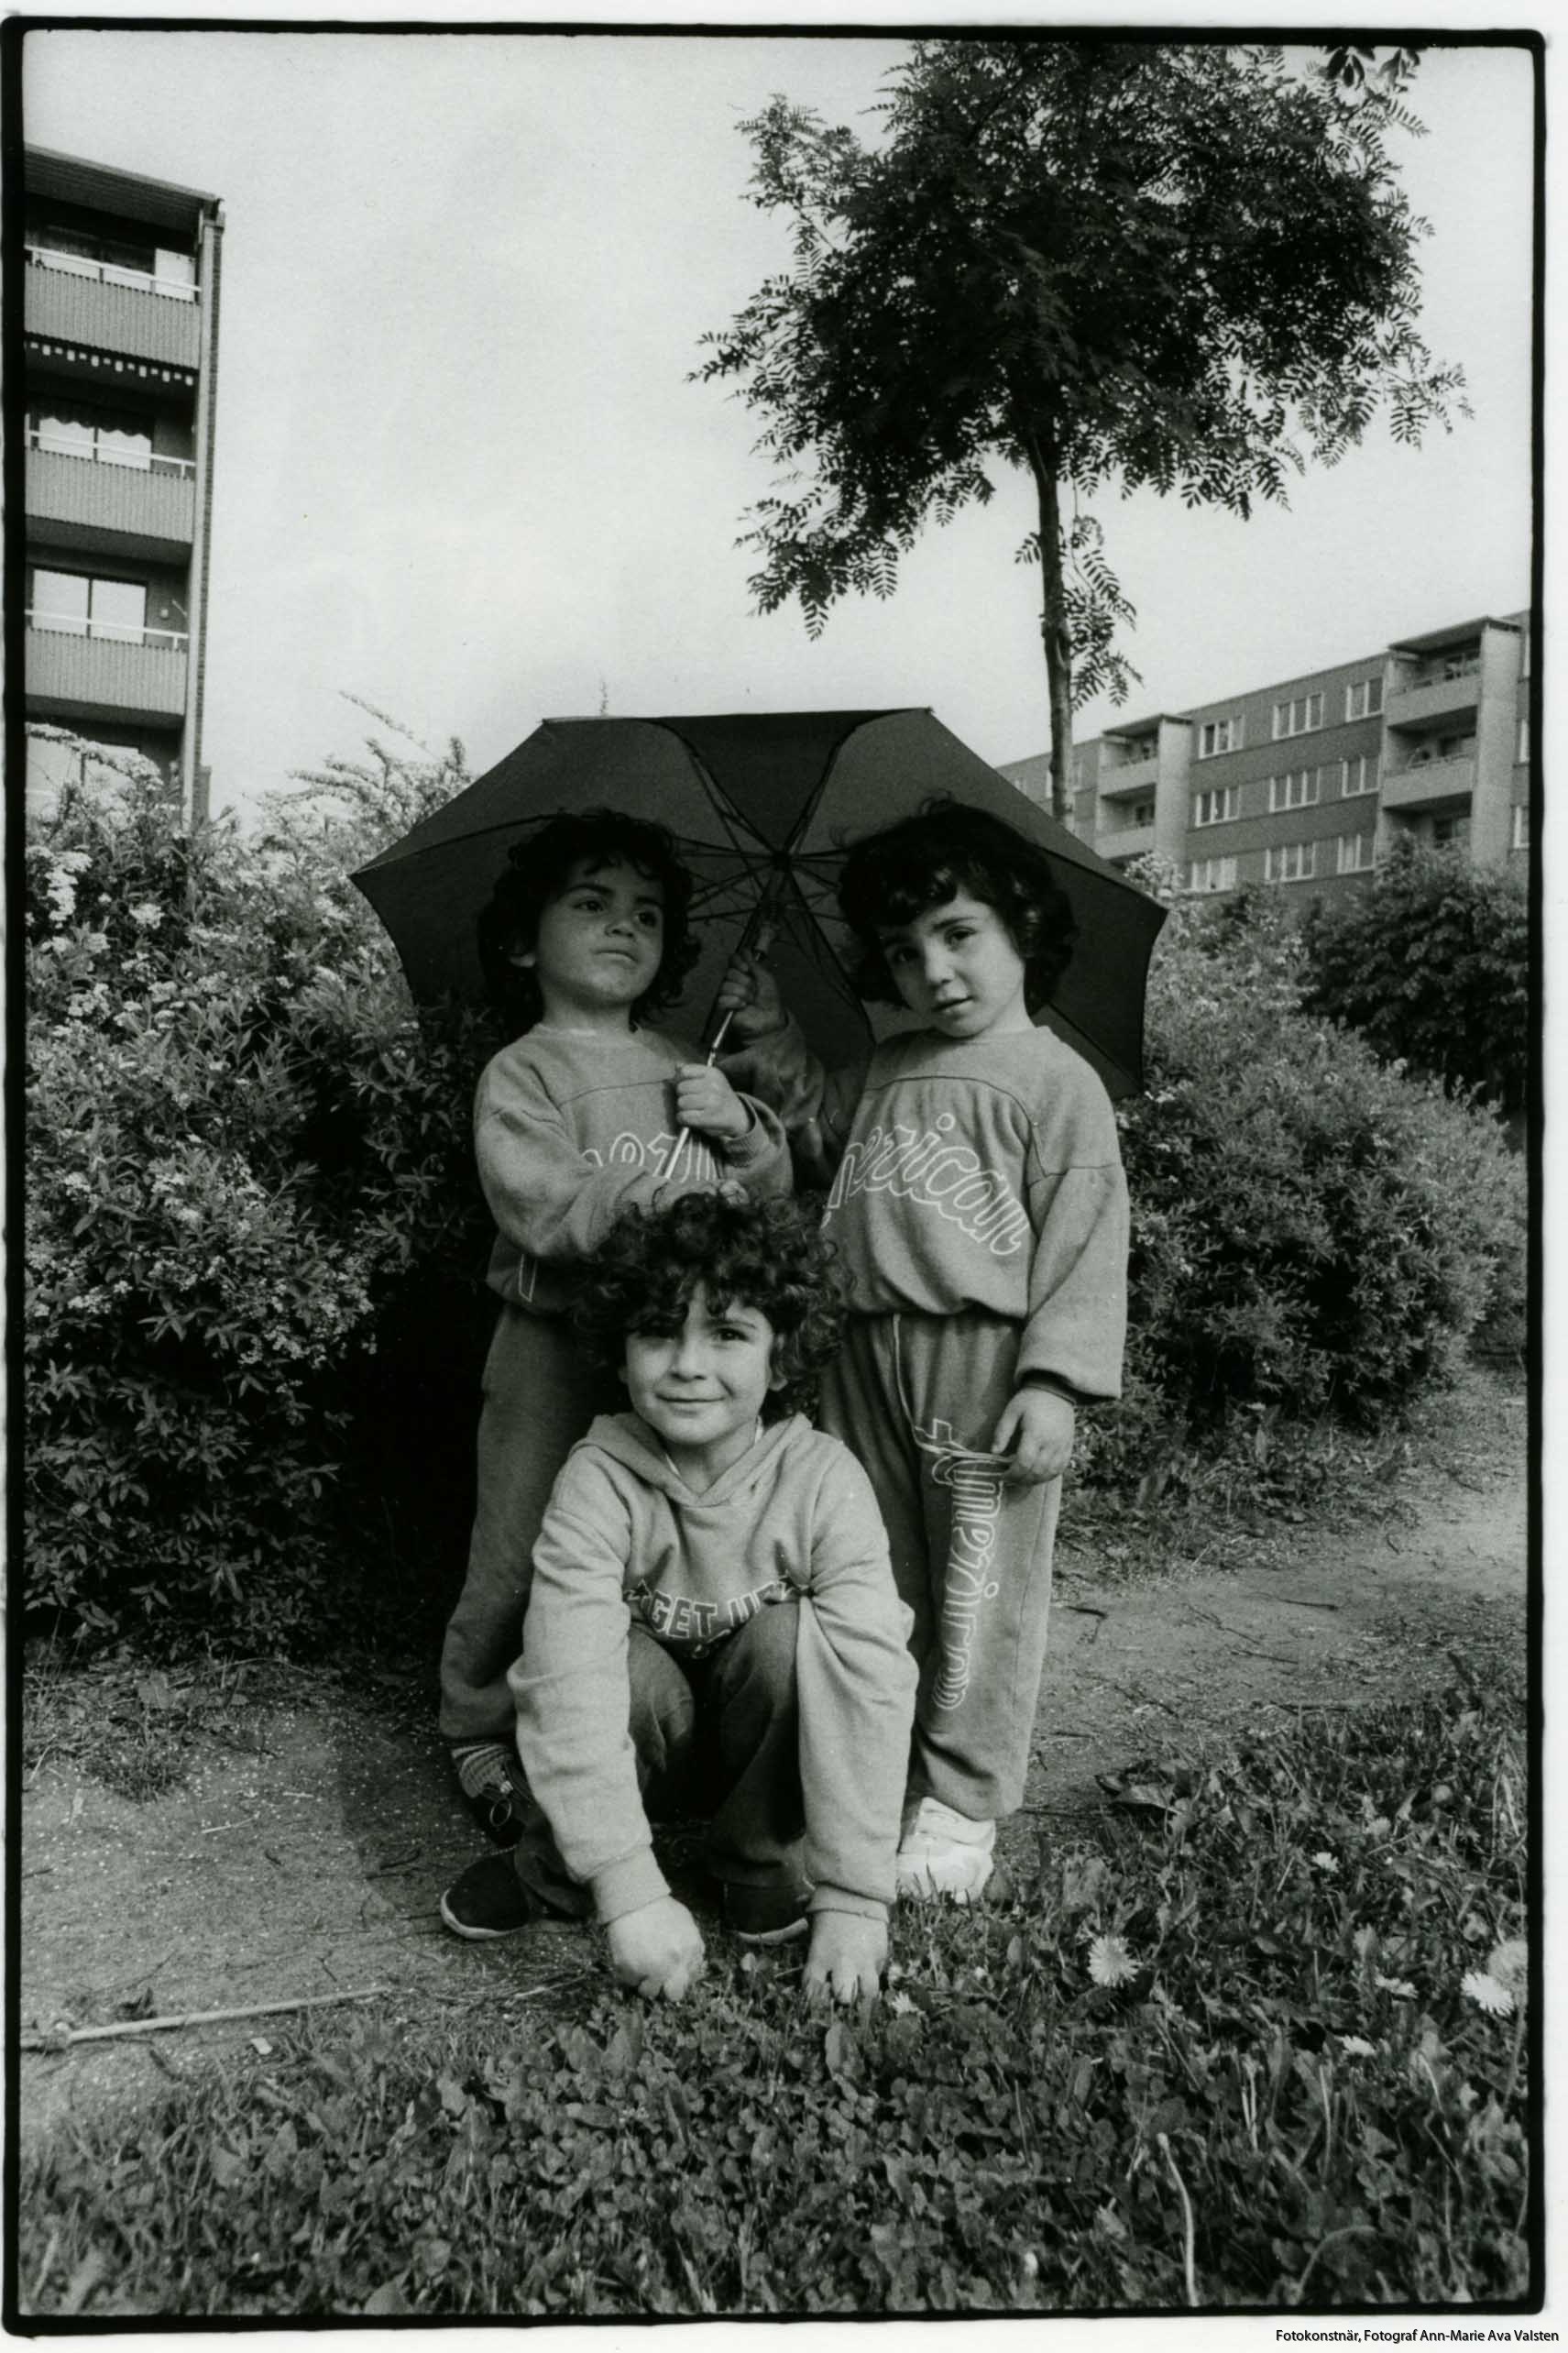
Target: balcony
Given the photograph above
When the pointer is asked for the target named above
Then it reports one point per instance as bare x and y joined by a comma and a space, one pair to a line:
1128, 842
1428, 782
73, 675
1132, 776
1449, 690
136, 506
73, 301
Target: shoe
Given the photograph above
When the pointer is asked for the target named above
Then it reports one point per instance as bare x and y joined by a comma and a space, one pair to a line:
489, 1900
763, 1915
944, 1853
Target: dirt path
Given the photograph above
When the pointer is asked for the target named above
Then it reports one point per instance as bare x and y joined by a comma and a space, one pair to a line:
306, 1851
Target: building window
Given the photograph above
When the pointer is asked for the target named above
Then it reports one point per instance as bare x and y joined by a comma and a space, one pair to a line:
1140, 812
1213, 873
72, 429
80, 604
1364, 698
1521, 742
1524, 655
1358, 776
1354, 852
1297, 715
1521, 828
118, 260
1216, 736
1300, 789
1218, 807
1290, 861
1450, 832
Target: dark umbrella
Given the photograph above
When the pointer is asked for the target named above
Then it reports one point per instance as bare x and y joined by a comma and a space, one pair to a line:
763, 808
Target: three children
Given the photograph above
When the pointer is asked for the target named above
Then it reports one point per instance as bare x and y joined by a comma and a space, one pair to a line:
978, 1207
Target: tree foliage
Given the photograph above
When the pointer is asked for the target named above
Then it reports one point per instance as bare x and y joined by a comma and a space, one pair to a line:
1431, 964
1179, 266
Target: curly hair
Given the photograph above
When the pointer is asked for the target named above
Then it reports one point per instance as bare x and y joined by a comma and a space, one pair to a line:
767, 1255
888, 878
538, 871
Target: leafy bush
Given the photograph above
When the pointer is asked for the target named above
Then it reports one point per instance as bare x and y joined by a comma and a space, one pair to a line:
1430, 962
244, 1159
1313, 1233
1266, 2044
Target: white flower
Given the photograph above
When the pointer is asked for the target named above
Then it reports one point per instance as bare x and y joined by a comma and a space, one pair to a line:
1510, 1963
1401, 1986
1486, 1994
1356, 2045
900, 2005
1325, 1861
1110, 1962
146, 914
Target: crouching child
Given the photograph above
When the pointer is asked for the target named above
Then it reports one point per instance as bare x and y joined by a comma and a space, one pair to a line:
713, 1626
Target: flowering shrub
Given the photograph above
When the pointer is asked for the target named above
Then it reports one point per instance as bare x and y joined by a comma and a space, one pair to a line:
1312, 1232
244, 1158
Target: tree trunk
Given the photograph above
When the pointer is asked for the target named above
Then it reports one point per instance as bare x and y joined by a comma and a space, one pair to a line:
1054, 633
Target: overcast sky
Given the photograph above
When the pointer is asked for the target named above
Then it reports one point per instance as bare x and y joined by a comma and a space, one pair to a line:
460, 471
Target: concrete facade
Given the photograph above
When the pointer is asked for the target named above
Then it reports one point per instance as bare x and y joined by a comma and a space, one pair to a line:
1307, 782
120, 307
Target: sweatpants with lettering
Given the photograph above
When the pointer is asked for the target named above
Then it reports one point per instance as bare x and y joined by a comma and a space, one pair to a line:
540, 1394
917, 1398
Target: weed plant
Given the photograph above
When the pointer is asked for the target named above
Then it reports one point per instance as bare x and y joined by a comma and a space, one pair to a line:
1265, 2043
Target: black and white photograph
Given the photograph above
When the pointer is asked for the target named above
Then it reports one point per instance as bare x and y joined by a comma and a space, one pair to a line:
776, 1390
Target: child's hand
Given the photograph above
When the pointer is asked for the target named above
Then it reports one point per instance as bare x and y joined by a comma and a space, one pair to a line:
1036, 1429
657, 1950
846, 1956
706, 1101
750, 994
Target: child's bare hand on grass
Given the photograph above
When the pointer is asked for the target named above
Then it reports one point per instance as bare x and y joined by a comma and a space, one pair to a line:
749, 995
657, 1950
846, 1956
1036, 1429
706, 1101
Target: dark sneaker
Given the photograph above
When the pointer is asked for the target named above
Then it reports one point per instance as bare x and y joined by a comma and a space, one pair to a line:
489, 1899
763, 1915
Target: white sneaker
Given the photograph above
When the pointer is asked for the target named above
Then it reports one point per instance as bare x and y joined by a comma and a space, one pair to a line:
944, 1853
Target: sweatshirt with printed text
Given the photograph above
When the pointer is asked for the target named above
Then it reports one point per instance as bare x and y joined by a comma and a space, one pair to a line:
970, 1172
570, 1131
792, 1524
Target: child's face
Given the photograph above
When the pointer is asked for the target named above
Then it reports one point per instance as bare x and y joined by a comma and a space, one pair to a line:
956, 965
701, 1384
600, 941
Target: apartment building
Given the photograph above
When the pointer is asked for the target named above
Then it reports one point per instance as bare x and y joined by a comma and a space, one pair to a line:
120, 343
1307, 782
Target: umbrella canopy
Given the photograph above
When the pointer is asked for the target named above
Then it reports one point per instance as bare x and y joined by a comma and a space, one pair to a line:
762, 802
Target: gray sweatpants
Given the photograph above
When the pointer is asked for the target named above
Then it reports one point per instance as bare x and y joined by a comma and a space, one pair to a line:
540, 1396
917, 1398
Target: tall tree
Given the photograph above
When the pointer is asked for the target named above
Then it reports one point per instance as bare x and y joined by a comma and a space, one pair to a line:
1184, 265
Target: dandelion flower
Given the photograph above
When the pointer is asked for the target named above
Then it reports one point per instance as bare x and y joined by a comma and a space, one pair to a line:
1110, 1962
1325, 1861
1356, 2045
900, 2005
1510, 1963
1486, 1994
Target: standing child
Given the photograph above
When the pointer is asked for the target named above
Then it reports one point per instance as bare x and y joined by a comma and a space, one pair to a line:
979, 1204
712, 1622
585, 939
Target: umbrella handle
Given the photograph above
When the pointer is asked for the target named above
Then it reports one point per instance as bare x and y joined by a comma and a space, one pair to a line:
755, 941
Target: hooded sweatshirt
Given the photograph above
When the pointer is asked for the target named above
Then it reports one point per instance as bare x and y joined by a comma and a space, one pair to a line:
971, 1172
571, 1130
792, 1524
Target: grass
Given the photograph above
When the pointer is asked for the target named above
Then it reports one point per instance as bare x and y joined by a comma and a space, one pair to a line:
1265, 2043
